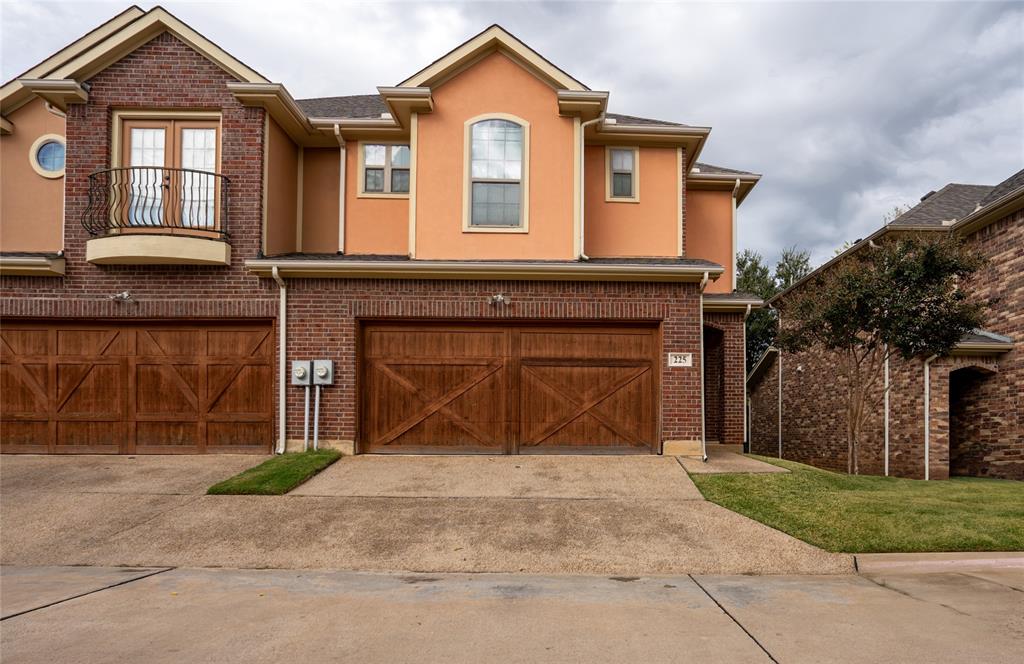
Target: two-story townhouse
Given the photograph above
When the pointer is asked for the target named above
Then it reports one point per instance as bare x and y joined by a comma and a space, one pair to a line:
958, 414
493, 261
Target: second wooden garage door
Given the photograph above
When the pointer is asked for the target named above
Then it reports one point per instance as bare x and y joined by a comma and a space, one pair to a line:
511, 389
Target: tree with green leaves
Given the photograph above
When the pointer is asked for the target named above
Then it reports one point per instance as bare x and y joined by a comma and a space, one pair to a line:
754, 276
900, 297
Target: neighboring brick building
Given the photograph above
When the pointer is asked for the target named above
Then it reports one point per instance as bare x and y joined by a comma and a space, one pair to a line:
183, 228
976, 425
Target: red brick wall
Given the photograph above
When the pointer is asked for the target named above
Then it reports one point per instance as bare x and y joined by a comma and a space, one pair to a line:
323, 315
714, 383
764, 410
733, 375
989, 438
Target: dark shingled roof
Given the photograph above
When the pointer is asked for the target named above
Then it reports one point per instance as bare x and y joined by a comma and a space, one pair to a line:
352, 106
729, 297
711, 169
952, 202
1015, 181
371, 106
980, 337
635, 120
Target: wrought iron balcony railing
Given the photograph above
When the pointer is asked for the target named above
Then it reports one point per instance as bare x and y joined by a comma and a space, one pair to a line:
157, 199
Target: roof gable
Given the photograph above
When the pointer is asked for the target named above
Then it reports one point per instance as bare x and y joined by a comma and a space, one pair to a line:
494, 38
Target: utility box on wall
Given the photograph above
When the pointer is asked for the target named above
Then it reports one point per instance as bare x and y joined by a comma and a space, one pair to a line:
302, 372
323, 372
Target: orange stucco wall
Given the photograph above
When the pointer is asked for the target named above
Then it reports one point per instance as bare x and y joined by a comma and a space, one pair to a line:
709, 232
373, 225
320, 200
282, 191
31, 206
495, 84
648, 227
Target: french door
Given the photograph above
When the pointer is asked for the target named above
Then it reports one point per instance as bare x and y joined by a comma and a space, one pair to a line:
170, 179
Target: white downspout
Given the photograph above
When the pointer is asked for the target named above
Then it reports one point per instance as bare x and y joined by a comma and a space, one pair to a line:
886, 429
342, 156
703, 414
927, 415
746, 394
282, 321
583, 182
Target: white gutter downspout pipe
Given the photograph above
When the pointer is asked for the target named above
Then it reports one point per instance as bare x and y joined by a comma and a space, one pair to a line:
342, 153
282, 348
583, 181
735, 193
703, 414
927, 415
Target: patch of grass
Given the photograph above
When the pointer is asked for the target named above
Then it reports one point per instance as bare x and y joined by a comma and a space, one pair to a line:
276, 476
867, 514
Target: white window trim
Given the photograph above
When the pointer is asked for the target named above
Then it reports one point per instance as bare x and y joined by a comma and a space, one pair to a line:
524, 180
33, 156
635, 198
361, 190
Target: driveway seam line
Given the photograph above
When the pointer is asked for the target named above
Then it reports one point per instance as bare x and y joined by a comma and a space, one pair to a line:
995, 583
733, 618
915, 598
155, 516
90, 592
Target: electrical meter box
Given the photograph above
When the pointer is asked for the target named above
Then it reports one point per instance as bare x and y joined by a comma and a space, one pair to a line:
302, 372
323, 372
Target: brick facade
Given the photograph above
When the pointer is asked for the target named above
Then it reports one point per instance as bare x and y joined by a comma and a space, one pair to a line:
724, 379
977, 432
323, 314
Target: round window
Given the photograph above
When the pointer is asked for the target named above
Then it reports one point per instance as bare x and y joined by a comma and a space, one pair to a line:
47, 156
50, 156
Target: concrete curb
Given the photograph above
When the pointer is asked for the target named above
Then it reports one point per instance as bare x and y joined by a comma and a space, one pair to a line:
919, 563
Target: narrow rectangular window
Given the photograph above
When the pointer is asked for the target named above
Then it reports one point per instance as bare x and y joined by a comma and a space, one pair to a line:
622, 165
386, 168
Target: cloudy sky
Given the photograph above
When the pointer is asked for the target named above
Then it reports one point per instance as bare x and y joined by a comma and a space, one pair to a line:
848, 109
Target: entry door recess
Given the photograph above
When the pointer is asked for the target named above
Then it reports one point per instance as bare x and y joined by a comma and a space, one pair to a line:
508, 389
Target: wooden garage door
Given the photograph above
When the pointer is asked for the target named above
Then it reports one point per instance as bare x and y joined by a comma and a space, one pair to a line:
509, 389
153, 388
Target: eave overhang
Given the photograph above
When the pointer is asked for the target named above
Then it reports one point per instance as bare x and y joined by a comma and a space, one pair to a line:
762, 363
58, 93
723, 182
404, 101
282, 108
584, 104
32, 266
730, 304
425, 269
690, 138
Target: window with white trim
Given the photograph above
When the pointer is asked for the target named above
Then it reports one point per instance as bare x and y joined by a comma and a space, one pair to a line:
496, 174
385, 168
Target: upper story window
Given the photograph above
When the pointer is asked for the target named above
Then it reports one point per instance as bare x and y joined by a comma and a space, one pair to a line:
47, 156
385, 168
622, 182
498, 153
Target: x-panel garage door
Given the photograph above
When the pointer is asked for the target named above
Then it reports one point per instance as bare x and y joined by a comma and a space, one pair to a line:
150, 388
508, 389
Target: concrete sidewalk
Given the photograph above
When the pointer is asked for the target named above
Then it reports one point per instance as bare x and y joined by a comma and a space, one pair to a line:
307, 616
534, 515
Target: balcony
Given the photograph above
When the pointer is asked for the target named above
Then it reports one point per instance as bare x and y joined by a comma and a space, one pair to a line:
143, 215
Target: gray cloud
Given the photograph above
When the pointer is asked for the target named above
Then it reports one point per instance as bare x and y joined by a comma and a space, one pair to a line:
847, 109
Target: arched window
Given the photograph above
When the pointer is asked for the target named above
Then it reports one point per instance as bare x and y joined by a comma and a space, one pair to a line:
498, 151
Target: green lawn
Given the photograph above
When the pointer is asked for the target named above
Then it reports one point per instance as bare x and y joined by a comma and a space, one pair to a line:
861, 514
278, 475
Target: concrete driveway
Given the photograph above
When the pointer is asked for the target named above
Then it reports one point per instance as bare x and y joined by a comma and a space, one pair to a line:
185, 615
626, 516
